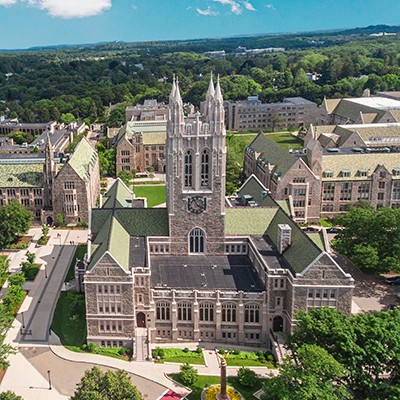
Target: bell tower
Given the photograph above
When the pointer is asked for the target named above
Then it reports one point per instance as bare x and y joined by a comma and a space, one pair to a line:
49, 173
196, 157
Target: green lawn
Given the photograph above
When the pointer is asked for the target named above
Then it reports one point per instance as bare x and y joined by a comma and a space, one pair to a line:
248, 359
79, 254
204, 381
155, 194
286, 140
180, 356
69, 319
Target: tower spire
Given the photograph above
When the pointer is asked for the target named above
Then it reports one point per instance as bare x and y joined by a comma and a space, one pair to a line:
211, 90
218, 93
172, 94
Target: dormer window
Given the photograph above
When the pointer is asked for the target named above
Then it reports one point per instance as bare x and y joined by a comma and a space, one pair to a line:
328, 173
396, 171
345, 173
363, 172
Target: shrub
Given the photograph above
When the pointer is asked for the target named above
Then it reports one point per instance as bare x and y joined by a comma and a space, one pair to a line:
158, 352
186, 350
188, 374
269, 357
45, 230
82, 224
199, 350
84, 347
59, 220
92, 347
221, 351
236, 352
247, 377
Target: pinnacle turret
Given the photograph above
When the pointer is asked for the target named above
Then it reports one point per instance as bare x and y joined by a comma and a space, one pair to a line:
218, 93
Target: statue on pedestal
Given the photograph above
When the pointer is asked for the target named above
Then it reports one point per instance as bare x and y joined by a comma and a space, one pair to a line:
222, 395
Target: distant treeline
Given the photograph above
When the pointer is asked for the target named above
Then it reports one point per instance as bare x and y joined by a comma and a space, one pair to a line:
83, 81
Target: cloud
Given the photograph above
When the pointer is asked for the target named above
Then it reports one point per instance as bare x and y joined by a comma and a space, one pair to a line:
207, 12
236, 8
72, 8
270, 6
65, 8
249, 6
7, 2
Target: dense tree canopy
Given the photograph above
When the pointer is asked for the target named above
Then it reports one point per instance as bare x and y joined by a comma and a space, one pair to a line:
15, 220
370, 238
367, 345
109, 385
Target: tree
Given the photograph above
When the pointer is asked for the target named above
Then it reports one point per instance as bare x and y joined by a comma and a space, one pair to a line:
247, 377
99, 385
314, 375
188, 374
368, 345
9, 396
370, 238
59, 220
67, 118
15, 221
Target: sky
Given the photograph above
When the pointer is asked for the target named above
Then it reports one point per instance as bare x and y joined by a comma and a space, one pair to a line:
27, 23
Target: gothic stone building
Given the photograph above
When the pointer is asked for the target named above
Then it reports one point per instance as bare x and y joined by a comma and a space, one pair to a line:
140, 145
48, 186
205, 268
324, 182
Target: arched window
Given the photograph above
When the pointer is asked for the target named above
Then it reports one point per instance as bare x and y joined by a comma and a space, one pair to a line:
196, 241
163, 311
229, 312
205, 169
184, 311
206, 312
188, 172
252, 313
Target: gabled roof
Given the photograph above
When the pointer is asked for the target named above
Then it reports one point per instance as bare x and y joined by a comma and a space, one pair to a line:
302, 251
83, 158
268, 151
118, 195
21, 175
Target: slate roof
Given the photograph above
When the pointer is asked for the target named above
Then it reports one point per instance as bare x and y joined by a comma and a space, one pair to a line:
302, 252
83, 158
267, 151
153, 132
21, 175
353, 162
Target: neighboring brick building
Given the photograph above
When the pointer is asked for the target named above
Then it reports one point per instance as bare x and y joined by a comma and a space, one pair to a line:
151, 110
205, 268
8, 126
360, 110
251, 114
47, 186
324, 182
140, 145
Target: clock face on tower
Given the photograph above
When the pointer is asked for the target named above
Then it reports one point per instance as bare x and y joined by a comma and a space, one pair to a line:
197, 204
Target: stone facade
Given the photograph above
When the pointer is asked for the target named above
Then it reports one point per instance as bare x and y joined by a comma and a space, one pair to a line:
254, 115
324, 182
177, 274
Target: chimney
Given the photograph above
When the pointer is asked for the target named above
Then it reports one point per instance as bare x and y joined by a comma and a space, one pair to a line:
366, 93
284, 237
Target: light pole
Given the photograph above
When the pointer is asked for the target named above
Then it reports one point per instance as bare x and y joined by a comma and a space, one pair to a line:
48, 374
23, 320
45, 270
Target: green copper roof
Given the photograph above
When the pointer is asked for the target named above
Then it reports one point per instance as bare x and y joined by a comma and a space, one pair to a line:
117, 195
303, 251
21, 175
268, 151
248, 221
257, 190
82, 159
153, 132
118, 246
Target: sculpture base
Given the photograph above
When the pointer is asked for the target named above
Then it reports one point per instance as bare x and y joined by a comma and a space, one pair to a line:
219, 396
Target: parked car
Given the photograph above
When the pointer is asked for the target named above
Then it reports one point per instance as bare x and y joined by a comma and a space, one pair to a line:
394, 280
332, 230
310, 229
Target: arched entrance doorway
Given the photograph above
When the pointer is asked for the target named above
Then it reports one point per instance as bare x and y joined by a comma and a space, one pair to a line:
49, 221
277, 324
141, 320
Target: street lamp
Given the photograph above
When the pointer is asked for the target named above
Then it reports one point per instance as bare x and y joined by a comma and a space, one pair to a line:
48, 374
23, 320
